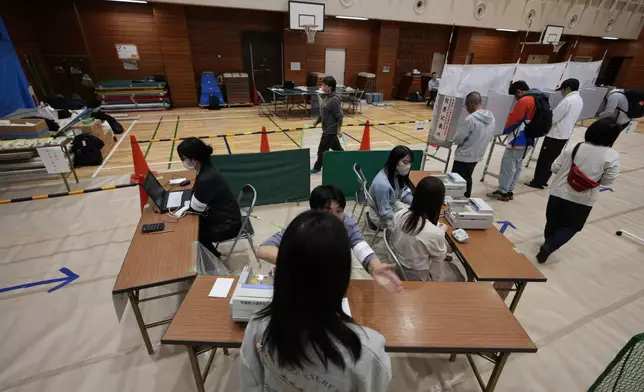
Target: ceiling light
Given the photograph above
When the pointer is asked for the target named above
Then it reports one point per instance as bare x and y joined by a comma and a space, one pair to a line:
352, 17
131, 1
508, 30
611, 38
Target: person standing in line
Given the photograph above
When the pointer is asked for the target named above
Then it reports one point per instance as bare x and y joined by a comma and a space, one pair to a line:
615, 106
432, 89
511, 164
564, 117
331, 118
579, 172
472, 138
304, 340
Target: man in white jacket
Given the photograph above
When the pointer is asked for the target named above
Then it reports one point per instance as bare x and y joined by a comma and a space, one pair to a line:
564, 117
472, 138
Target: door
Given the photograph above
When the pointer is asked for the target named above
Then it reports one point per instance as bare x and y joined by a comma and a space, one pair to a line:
438, 62
334, 62
262, 58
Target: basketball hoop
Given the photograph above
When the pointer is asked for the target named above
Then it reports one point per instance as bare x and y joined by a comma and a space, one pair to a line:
310, 33
557, 45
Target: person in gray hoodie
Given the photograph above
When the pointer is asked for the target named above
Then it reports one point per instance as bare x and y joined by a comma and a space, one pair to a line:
390, 188
304, 340
331, 118
472, 138
615, 106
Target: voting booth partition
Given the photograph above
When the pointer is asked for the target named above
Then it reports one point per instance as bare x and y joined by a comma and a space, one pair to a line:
278, 177
493, 82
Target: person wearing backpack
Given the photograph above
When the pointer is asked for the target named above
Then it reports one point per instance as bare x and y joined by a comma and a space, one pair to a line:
579, 171
615, 106
530, 118
564, 117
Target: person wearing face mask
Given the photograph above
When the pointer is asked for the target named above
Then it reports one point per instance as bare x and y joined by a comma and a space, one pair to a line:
390, 189
212, 199
331, 118
564, 117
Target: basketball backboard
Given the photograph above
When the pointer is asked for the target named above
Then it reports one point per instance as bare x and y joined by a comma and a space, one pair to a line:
304, 13
552, 34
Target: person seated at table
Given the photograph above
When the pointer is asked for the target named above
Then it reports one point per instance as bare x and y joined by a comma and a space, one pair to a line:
390, 188
418, 240
328, 198
219, 213
304, 340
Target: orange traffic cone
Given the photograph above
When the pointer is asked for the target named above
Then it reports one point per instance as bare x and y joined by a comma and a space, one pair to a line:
365, 144
264, 147
141, 169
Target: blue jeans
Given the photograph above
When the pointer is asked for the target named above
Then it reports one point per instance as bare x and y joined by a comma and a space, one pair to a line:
511, 165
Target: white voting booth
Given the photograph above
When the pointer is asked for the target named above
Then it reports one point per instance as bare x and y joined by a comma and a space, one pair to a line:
492, 82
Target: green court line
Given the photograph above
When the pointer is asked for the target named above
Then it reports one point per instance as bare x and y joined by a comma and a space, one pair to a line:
285, 133
176, 128
153, 135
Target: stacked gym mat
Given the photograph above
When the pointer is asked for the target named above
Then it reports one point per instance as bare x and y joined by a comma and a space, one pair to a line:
209, 88
132, 95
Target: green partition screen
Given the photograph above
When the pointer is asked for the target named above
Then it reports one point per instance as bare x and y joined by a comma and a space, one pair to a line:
338, 167
278, 177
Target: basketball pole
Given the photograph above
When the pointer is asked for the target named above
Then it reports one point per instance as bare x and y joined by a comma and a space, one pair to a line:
252, 75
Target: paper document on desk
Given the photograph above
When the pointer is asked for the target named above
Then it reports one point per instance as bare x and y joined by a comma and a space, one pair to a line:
221, 288
345, 306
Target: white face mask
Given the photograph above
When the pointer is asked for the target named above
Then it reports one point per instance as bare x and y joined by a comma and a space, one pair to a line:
403, 168
188, 165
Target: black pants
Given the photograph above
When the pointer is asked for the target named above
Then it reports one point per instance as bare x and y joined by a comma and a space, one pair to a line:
465, 169
616, 134
564, 219
550, 150
327, 142
209, 233
432, 96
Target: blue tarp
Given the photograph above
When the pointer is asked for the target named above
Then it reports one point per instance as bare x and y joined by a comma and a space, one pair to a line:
14, 93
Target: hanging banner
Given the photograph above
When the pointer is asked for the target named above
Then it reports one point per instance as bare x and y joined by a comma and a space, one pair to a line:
445, 118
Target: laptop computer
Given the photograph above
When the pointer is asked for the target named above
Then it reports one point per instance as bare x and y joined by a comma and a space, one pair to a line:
163, 199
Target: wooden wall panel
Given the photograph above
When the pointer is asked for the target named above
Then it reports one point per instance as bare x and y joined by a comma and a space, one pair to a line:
358, 38
216, 36
387, 50
170, 21
460, 45
493, 47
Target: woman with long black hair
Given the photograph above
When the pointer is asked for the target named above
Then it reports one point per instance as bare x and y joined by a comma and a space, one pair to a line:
390, 189
212, 199
417, 238
303, 340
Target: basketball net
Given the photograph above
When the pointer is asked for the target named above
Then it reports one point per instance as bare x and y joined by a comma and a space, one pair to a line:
310, 33
557, 46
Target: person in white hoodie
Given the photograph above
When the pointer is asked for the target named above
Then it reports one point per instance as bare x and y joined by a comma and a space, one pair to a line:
472, 138
303, 340
564, 117
579, 172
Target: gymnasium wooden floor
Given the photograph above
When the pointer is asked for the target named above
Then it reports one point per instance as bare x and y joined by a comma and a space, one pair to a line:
72, 340
162, 156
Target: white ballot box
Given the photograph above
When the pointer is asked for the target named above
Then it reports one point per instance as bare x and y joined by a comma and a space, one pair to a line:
252, 293
473, 213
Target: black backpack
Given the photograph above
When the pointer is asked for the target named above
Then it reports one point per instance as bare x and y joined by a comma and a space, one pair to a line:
87, 150
542, 119
635, 103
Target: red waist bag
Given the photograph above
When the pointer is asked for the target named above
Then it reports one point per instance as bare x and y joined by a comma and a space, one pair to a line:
576, 178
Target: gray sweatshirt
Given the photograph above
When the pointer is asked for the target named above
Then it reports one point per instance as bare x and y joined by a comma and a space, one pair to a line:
473, 136
331, 115
611, 106
371, 372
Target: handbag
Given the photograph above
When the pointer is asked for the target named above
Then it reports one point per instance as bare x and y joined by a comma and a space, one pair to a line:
576, 178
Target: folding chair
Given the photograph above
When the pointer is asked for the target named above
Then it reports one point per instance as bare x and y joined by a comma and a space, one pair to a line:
368, 223
246, 200
361, 192
399, 268
262, 109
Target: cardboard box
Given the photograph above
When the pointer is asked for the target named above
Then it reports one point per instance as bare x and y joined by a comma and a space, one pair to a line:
18, 130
